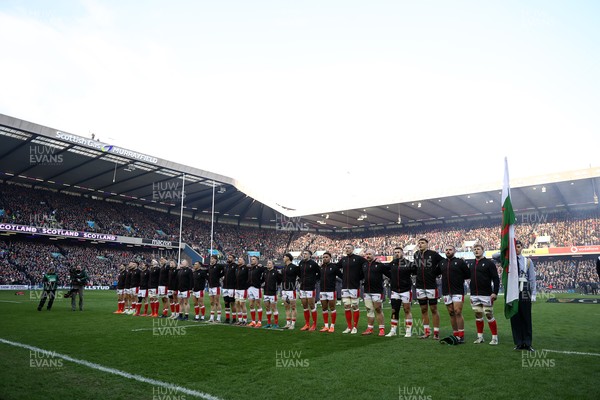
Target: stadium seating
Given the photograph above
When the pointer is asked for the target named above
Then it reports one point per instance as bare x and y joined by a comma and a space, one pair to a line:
23, 261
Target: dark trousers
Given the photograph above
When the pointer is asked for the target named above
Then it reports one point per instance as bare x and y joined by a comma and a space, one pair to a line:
77, 290
521, 322
51, 294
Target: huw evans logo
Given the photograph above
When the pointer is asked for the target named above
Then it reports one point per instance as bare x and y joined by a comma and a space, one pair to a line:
167, 327
162, 393
537, 359
283, 223
44, 221
290, 359
44, 155
534, 218
164, 191
44, 359
413, 393
36, 295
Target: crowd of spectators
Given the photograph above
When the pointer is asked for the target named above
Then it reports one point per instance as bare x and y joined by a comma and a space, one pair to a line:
22, 205
567, 274
567, 229
384, 243
24, 261
44, 208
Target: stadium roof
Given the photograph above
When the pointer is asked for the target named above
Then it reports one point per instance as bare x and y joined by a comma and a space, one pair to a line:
49, 158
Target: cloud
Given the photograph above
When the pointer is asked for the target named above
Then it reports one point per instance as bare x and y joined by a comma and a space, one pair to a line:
321, 114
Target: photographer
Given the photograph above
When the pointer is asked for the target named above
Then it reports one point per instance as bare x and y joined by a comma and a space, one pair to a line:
79, 278
50, 282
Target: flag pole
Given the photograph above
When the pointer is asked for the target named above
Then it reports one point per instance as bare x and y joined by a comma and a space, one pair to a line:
181, 218
212, 221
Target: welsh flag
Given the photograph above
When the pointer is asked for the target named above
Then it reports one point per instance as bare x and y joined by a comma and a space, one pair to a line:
508, 255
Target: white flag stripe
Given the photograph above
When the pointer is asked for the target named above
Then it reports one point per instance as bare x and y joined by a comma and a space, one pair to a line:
512, 283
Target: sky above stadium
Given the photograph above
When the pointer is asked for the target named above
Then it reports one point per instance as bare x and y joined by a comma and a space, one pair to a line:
317, 105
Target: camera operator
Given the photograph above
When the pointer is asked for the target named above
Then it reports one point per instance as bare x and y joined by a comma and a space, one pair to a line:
79, 278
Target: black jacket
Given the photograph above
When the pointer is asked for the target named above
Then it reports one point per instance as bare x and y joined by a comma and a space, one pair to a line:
128, 279
135, 278
271, 279
241, 277
215, 273
373, 272
163, 277
199, 278
255, 276
184, 279
454, 273
289, 274
144, 279
400, 275
483, 274
121, 279
173, 276
428, 268
309, 274
154, 277
329, 274
351, 270
229, 274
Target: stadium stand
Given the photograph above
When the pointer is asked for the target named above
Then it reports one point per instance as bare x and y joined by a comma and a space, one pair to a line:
23, 259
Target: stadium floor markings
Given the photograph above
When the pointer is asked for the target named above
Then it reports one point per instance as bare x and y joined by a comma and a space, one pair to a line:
124, 374
8, 301
578, 353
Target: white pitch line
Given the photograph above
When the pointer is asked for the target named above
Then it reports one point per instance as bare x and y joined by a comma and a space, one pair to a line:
8, 301
127, 375
579, 353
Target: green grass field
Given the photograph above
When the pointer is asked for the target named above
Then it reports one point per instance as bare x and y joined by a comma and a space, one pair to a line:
230, 362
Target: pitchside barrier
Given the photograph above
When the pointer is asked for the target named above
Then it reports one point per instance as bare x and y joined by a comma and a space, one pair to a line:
34, 287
